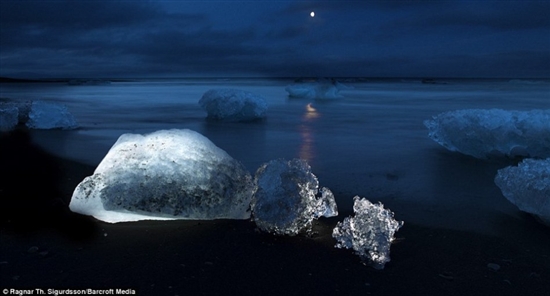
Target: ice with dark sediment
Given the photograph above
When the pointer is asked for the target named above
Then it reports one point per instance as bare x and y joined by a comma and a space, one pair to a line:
320, 89
369, 232
527, 186
233, 105
287, 198
494, 132
168, 174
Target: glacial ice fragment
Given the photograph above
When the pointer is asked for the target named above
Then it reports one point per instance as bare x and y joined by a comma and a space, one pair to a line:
370, 232
168, 174
528, 187
45, 115
8, 118
233, 105
286, 198
485, 133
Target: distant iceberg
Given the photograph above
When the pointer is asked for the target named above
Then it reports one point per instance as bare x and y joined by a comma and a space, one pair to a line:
88, 82
233, 105
528, 82
369, 232
36, 115
528, 187
168, 174
287, 197
321, 89
495, 132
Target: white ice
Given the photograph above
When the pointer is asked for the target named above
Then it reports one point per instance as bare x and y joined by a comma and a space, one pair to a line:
45, 115
233, 105
528, 187
495, 132
168, 174
287, 197
321, 89
369, 232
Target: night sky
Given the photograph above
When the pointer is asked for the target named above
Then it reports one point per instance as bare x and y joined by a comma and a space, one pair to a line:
130, 39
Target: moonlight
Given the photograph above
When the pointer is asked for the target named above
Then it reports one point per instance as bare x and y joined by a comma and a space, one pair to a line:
312, 14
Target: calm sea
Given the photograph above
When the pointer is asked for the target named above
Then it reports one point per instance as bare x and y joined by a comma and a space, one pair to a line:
371, 143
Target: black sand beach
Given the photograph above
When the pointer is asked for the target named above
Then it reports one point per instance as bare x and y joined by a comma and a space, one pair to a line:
48, 247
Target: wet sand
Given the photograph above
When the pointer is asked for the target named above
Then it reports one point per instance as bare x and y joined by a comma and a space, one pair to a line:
46, 246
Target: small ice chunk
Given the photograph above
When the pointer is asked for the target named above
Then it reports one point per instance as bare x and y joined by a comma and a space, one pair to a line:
326, 206
45, 115
8, 118
495, 132
321, 89
286, 199
370, 232
528, 187
168, 174
233, 105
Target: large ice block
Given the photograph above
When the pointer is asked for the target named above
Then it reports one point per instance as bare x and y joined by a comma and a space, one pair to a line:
369, 232
287, 197
528, 187
168, 174
495, 132
233, 105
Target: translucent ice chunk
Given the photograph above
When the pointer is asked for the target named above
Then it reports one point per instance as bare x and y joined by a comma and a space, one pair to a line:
44, 115
494, 132
286, 199
370, 232
326, 205
169, 174
233, 105
528, 187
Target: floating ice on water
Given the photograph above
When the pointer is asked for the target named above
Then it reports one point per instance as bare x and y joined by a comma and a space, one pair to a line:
370, 232
168, 174
8, 118
39, 115
7, 110
494, 132
322, 89
233, 105
44, 115
528, 187
286, 199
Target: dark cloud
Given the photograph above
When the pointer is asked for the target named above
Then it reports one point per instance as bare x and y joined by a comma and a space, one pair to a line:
495, 15
77, 23
345, 38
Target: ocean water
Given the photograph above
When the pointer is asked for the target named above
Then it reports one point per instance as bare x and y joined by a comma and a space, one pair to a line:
371, 143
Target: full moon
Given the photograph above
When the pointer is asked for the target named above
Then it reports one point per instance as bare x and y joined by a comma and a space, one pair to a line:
312, 14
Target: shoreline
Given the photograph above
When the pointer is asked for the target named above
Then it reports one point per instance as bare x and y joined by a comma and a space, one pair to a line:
59, 249
218, 254
221, 257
